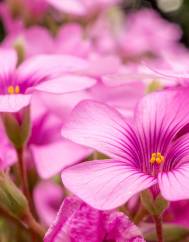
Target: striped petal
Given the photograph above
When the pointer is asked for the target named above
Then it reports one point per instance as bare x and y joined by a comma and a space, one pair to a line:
159, 117
100, 127
174, 180
105, 184
174, 184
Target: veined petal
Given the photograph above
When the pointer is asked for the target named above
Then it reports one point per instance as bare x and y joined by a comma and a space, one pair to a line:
50, 159
178, 153
14, 102
175, 177
8, 60
174, 184
41, 67
76, 221
159, 117
66, 84
100, 127
105, 184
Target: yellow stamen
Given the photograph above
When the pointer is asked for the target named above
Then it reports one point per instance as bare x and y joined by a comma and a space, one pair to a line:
152, 160
13, 90
17, 89
157, 158
10, 90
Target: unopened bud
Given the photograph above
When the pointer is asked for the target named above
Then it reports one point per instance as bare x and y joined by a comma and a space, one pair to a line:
11, 198
17, 126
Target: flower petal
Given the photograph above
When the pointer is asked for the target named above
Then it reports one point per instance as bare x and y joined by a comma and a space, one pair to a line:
100, 127
8, 60
39, 67
175, 177
159, 117
76, 221
105, 184
68, 6
47, 197
174, 184
13, 103
50, 159
66, 84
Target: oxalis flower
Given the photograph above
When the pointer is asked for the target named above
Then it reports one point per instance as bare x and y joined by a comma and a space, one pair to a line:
49, 73
78, 222
149, 152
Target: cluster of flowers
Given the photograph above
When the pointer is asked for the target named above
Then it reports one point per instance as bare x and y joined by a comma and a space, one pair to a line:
98, 98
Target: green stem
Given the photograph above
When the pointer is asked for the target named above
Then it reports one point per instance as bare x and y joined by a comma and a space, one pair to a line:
23, 175
159, 229
142, 212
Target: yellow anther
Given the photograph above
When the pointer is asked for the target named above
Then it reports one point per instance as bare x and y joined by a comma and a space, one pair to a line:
17, 89
10, 90
157, 158
13, 90
152, 160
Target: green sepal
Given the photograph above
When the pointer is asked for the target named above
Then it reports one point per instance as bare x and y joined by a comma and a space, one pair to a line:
18, 133
11, 198
155, 206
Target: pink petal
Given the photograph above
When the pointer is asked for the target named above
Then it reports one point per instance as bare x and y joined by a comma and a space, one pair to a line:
47, 197
50, 159
160, 116
174, 184
100, 127
14, 103
59, 230
66, 84
68, 6
105, 184
51, 66
8, 60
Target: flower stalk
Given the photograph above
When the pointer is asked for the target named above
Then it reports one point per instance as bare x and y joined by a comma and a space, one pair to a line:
23, 174
159, 228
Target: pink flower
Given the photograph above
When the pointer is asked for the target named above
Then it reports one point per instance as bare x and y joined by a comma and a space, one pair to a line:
81, 7
146, 32
45, 147
32, 41
7, 154
48, 197
144, 153
48, 73
78, 222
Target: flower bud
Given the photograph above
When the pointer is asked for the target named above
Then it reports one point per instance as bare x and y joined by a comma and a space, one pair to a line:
11, 198
17, 126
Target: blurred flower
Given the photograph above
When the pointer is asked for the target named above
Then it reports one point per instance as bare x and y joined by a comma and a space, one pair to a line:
45, 147
32, 40
144, 153
48, 73
48, 197
81, 7
76, 221
140, 37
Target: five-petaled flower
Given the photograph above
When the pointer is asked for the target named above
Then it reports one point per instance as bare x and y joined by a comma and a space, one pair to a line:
49, 73
151, 152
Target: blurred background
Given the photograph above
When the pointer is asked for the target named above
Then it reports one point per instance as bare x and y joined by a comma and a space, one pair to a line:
173, 10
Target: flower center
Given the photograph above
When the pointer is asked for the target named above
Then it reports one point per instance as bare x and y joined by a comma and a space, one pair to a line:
157, 158
13, 89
